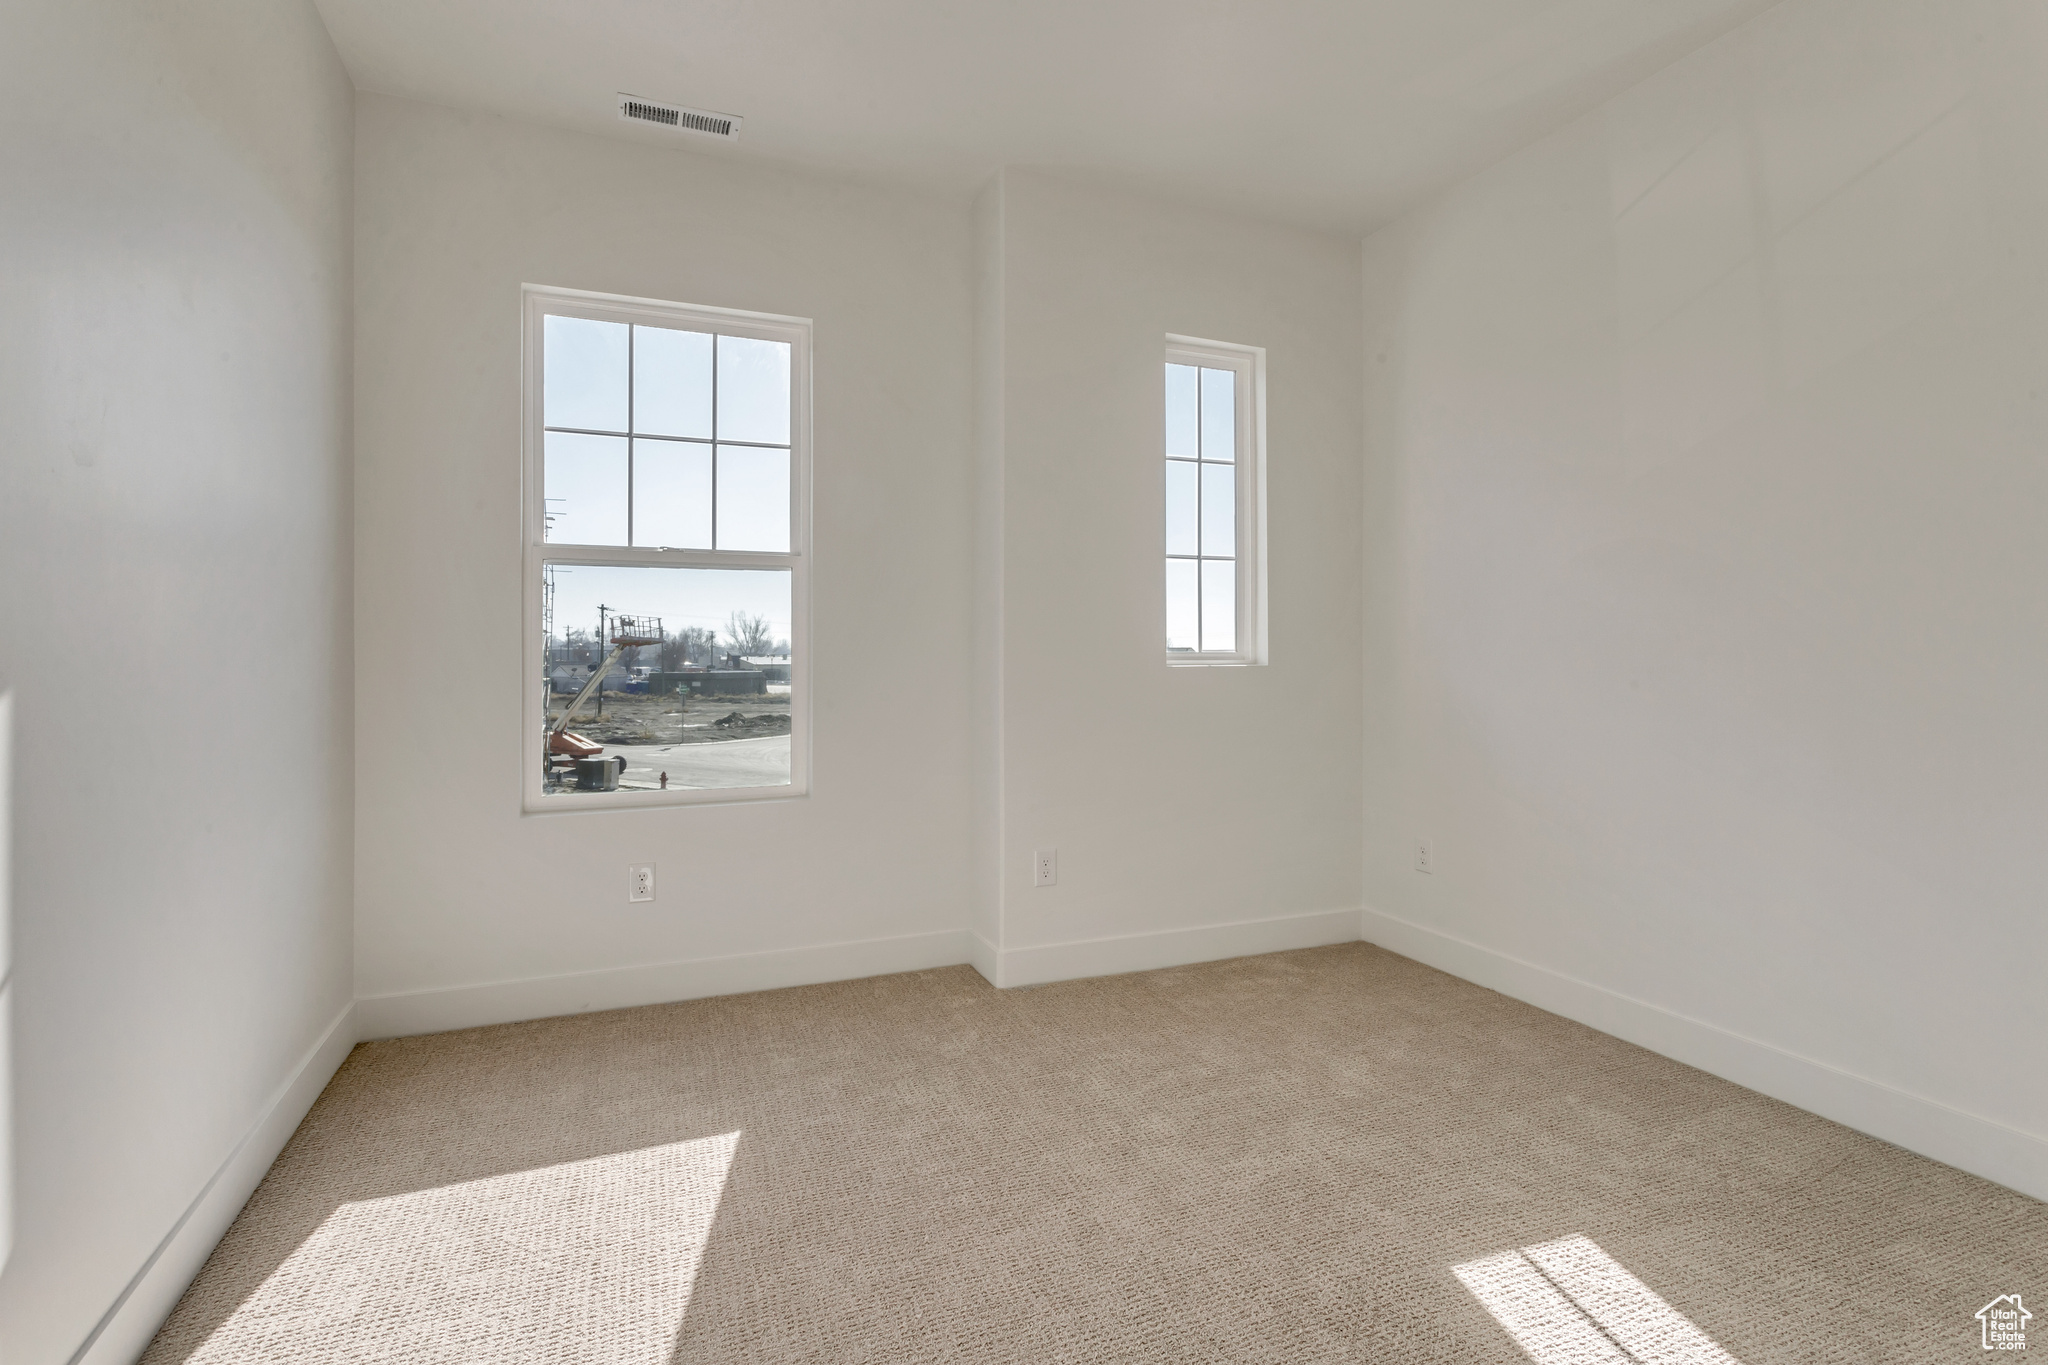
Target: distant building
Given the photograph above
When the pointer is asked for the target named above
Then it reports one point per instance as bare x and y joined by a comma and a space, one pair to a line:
711, 682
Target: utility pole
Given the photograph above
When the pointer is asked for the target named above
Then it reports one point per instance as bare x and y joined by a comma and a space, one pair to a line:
603, 613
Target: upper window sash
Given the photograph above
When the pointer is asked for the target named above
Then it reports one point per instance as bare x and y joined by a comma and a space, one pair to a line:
542, 302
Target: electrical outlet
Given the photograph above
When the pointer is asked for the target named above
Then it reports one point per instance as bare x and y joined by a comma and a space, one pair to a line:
1425, 856
1045, 867
642, 883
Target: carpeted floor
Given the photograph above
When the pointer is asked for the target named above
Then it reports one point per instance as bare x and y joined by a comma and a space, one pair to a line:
1307, 1156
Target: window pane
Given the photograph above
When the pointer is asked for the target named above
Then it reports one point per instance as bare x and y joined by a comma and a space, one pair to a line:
1219, 509
1180, 508
672, 494
753, 498
1180, 411
1182, 615
753, 390
671, 382
1219, 415
583, 366
585, 489
667, 707
1219, 605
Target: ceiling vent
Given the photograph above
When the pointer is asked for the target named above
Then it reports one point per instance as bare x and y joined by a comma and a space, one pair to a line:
703, 122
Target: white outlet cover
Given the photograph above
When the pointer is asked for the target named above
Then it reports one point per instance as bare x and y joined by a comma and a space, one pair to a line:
1045, 867
1425, 856
640, 882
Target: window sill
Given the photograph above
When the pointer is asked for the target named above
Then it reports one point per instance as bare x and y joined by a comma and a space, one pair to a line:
686, 797
1211, 661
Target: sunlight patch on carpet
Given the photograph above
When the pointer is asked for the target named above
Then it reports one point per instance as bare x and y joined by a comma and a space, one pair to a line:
1568, 1302
587, 1261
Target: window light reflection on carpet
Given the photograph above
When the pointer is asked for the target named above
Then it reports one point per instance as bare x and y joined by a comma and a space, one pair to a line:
585, 1261
1568, 1302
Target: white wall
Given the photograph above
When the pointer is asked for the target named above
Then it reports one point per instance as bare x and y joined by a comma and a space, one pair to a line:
173, 508
468, 911
1712, 433
1197, 812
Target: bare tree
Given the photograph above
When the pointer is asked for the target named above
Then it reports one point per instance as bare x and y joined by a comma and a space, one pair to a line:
690, 645
747, 635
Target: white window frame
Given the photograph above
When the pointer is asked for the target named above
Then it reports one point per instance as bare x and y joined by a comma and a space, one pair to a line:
1248, 363
537, 303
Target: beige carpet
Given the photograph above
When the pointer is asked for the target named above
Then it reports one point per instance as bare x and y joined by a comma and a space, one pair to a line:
1328, 1155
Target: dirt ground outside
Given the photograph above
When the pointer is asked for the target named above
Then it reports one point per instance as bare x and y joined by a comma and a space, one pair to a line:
636, 718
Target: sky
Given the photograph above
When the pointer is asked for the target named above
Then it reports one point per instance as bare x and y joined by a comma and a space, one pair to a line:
686, 389
1201, 508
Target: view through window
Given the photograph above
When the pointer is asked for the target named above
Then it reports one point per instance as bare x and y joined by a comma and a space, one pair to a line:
1211, 503
665, 548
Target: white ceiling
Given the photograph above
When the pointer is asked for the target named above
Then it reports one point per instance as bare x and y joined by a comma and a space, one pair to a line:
1331, 113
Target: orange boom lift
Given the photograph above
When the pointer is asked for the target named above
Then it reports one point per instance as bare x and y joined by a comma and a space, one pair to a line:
564, 745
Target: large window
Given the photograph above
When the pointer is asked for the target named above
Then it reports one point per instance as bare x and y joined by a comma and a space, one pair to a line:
1215, 523
666, 522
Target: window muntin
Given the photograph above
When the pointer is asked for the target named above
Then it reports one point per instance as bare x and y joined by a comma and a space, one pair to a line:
1213, 520
667, 482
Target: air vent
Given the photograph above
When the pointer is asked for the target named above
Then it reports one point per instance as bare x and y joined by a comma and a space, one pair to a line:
703, 122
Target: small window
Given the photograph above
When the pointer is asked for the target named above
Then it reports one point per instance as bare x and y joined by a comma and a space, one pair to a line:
1215, 520
666, 556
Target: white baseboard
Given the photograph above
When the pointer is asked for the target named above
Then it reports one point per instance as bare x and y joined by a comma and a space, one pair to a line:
1966, 1141
1173, 947
985, 958
124, 1331
543, 997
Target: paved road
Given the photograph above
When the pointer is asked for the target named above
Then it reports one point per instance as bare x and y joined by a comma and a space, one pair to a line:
726, 763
